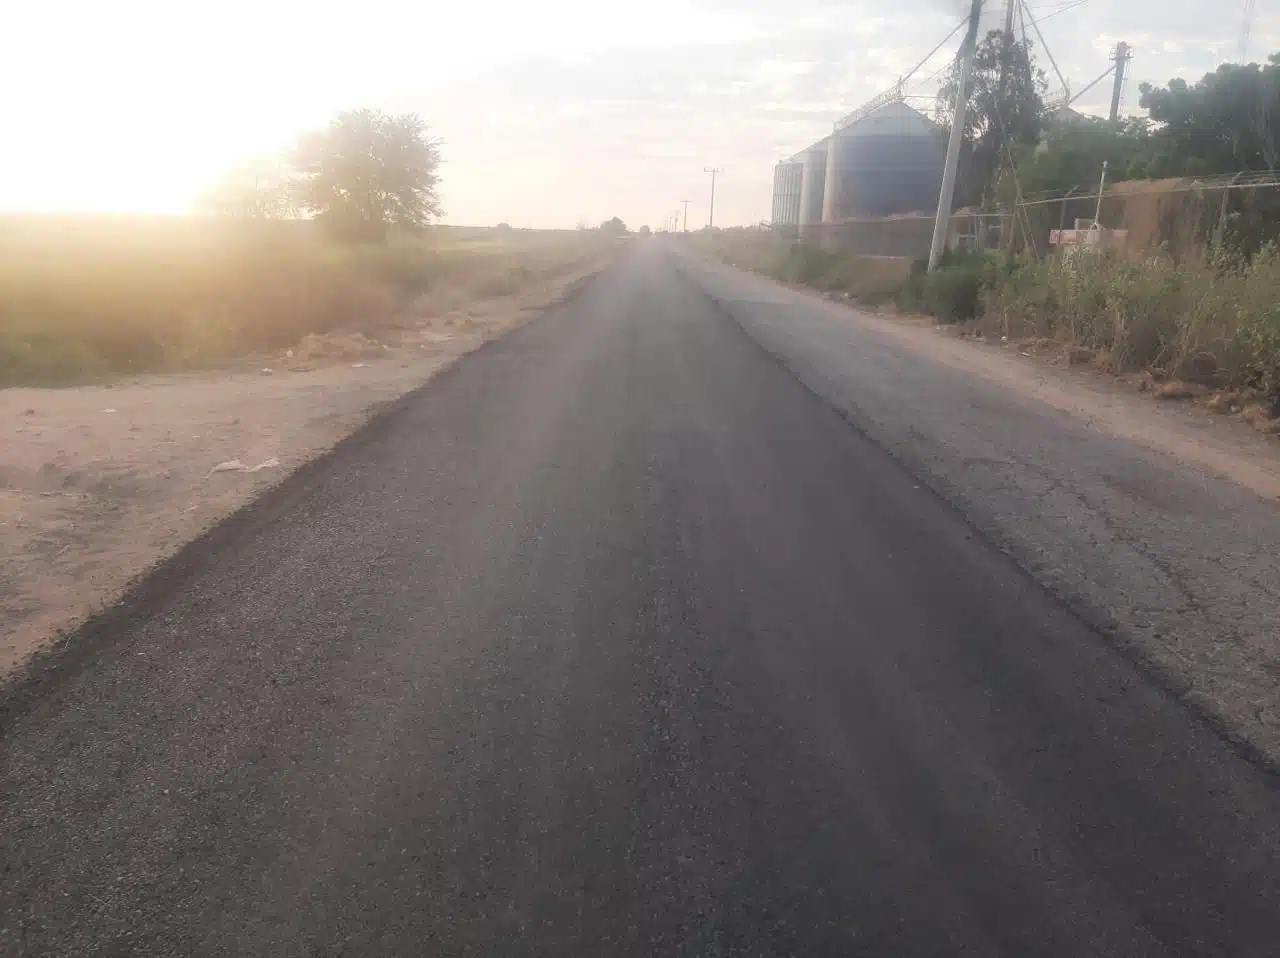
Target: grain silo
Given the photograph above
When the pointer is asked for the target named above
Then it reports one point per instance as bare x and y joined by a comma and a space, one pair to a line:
884, 159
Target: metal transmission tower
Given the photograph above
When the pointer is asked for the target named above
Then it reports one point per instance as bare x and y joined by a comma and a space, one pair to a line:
1028, 16
1121, 59
714, 171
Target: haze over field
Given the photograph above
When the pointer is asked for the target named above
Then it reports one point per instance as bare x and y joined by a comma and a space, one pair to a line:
550, 114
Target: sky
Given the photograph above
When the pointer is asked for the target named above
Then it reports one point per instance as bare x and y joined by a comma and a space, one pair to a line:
550, 113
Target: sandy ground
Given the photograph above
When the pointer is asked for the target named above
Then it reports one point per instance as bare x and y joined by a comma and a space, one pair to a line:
99, 483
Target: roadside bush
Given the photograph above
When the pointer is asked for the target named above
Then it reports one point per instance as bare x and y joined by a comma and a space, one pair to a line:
807, 266
868, 279
1258, 311
953, 292
1215, 322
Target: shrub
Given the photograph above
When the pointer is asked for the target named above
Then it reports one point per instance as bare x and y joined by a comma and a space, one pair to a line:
953, 292
1216, 322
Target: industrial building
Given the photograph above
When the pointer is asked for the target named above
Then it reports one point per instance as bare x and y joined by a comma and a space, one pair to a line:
884, 159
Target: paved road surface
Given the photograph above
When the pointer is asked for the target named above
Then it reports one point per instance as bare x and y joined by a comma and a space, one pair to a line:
616, 640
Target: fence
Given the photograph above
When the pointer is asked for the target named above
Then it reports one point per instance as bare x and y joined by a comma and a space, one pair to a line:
904, 237
1182, 216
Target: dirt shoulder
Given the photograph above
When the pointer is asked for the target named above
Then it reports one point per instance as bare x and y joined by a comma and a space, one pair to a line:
1186, 430
97, 484
1158, 522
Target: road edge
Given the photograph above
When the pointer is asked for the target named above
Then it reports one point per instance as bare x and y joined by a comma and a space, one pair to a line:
1173, 686
23, 689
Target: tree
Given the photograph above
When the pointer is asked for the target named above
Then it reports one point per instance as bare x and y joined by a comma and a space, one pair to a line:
614, 225
1073, 150
369, 172
257, 188
1229, 121
1006, 111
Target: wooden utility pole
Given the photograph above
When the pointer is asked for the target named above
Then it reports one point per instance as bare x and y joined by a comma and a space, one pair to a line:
714, 171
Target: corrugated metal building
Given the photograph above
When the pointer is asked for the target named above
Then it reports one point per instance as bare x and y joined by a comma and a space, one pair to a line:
787, 177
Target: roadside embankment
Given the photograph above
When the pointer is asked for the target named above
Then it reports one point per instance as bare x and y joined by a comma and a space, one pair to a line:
99, 482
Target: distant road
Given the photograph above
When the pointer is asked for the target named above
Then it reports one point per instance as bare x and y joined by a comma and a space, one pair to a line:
617, 640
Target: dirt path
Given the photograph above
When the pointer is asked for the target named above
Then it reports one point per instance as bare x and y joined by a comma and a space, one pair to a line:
99, 483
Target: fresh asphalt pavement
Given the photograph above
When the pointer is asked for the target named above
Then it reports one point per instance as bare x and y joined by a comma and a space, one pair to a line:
616, 640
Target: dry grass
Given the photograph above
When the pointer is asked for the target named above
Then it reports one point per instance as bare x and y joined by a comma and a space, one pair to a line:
1216, 324
90, 298
869, 279
1209, 324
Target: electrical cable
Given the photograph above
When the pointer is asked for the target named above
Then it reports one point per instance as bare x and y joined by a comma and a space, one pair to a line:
1066, 88
1020, 213
934, 51
1067, 8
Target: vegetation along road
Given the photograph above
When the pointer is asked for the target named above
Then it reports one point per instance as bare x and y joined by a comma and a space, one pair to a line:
643, 631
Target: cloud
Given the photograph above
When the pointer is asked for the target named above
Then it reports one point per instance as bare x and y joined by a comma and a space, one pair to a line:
549, 112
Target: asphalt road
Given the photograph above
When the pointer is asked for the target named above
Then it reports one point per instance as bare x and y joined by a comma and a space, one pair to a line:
617, 640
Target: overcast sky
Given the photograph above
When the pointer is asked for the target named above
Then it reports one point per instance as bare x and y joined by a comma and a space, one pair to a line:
550, 112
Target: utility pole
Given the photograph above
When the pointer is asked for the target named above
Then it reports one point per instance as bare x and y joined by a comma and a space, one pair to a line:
947, 196
713, 170
1122, 57
1102, 188
685, 204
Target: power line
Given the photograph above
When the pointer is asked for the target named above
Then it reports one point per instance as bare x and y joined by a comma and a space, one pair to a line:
895, 93
1258, 179
1065, 8
1066, 88
1054, 6
933, 52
